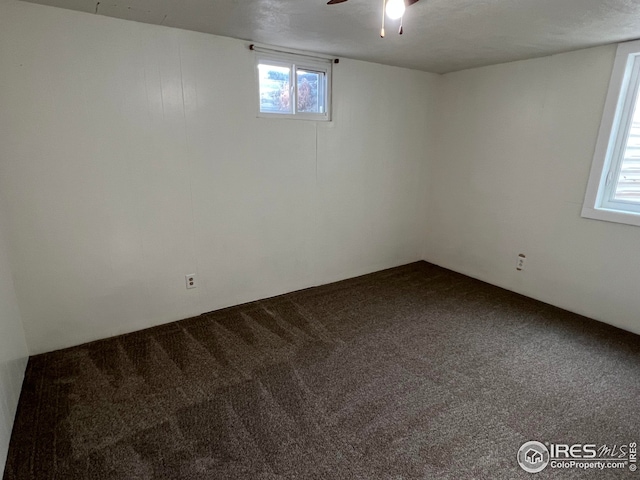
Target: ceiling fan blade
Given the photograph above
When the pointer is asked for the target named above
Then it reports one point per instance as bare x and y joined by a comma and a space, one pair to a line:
333, 2
410, 2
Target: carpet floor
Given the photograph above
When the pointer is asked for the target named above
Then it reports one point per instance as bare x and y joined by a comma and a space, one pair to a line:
410, 373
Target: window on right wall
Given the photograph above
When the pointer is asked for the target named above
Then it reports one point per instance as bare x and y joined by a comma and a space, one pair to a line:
613, 192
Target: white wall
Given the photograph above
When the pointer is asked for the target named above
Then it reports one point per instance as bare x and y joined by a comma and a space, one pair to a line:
13, 348
517, 141
132, 155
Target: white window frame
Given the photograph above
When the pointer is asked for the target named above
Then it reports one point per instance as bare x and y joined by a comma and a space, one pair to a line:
296, 62
599, 202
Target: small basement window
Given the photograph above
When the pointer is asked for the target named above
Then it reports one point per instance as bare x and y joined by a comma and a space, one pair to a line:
613, 192
293, 86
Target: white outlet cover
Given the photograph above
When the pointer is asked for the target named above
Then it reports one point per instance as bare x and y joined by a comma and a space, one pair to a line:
190, 280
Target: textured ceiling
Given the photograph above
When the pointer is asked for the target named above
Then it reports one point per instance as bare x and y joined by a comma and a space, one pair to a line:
440, 35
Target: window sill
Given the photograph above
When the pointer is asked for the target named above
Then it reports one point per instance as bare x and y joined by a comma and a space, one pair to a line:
298, 116
615, 216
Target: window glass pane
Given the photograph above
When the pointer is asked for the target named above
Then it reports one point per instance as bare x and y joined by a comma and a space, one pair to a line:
275, 81
628, 186
311, 94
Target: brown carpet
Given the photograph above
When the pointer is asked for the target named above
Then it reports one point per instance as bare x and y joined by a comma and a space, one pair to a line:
410, 373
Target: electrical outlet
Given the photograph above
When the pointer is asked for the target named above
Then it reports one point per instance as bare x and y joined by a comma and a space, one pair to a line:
190, 280
520, 262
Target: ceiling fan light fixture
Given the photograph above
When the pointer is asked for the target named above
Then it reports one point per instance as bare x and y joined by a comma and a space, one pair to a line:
395, 9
